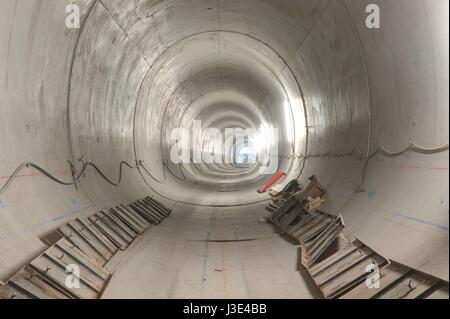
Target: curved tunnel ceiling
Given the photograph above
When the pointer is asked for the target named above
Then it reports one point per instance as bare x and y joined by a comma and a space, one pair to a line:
337, 92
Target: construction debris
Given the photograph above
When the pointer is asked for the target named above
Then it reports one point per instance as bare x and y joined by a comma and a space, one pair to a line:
78, 258
275, 178
354, 271
312, 197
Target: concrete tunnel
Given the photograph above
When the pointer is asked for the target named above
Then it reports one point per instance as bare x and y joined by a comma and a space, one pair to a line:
363, 109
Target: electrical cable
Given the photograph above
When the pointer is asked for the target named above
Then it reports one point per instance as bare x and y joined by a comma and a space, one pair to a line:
166, 165
181, 166
76, 178
412, 147
141, 164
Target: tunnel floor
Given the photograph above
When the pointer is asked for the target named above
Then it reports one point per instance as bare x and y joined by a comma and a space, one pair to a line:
204, 252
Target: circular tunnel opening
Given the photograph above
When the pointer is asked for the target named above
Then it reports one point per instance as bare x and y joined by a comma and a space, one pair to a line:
219, 81
198, 104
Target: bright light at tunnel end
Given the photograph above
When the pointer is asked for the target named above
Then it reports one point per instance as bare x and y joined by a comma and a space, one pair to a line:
245, 147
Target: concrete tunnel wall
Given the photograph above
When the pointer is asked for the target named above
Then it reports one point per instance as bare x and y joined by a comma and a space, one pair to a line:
111, 91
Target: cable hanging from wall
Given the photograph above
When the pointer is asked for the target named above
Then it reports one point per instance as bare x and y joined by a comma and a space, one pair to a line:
166, 166
412, 147
147, 171
76, 177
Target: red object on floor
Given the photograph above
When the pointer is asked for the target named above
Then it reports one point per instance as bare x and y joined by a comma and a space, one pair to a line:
272, 181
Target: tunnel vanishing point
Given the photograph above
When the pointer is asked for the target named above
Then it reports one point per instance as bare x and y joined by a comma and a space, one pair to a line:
348, 101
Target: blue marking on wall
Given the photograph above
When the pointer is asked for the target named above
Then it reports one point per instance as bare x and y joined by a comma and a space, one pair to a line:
371, 195
2, 205
60, 217
422, 221
74, 201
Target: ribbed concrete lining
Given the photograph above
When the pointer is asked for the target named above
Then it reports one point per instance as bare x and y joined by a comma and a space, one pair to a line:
136, 69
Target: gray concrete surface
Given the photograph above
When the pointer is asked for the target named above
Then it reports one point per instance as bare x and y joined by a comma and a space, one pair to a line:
210, 253
111, 91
